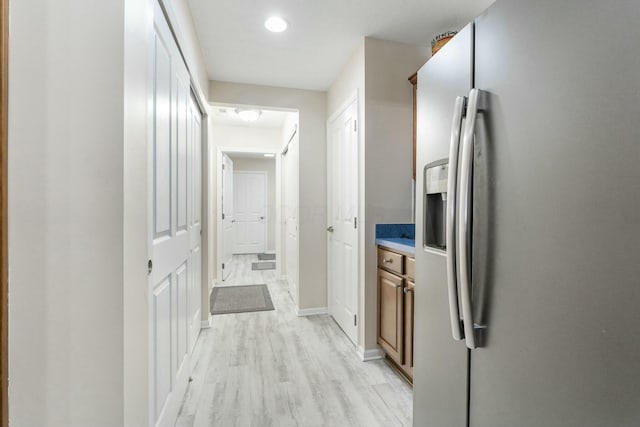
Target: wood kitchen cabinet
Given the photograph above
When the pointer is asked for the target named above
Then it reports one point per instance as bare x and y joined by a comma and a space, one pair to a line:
396, 289
391, 315
409, 290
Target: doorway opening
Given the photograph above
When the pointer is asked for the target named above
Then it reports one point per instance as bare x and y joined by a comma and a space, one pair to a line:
256, 195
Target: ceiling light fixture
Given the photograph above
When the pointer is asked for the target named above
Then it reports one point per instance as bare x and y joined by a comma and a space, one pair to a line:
269, 155
248, 115
275, 24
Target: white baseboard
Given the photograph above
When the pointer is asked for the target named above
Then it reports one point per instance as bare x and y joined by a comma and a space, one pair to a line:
206, 324
311, 311
371, 354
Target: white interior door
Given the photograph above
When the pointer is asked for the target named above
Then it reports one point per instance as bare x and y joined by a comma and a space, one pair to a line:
290, 212
249, 199
194, 152
342, 232
227, 215
174, 227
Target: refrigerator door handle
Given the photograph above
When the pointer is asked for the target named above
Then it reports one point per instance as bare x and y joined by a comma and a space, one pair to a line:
464, 216
451, 222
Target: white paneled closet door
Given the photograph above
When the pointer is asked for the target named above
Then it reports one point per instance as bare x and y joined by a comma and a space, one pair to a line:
194, 127
227, 215
291, 189
175, 223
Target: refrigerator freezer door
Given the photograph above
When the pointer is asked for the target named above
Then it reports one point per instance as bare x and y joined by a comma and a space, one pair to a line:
556, 264
440, 362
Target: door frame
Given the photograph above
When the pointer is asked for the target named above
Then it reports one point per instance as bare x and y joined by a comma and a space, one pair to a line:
4, 264
220, 150
266, 196
350, 100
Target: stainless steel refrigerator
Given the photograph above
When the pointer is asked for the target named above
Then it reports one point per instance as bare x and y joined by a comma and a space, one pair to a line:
527, 301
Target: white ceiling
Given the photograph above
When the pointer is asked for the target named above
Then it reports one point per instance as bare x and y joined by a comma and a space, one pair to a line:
321, 37
226, 115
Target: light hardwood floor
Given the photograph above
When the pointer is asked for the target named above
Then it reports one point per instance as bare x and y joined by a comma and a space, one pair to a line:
273, 368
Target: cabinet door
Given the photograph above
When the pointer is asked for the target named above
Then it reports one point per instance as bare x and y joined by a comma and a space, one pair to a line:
408, 327
390, 315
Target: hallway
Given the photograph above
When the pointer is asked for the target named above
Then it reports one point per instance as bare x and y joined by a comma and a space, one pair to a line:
276, 369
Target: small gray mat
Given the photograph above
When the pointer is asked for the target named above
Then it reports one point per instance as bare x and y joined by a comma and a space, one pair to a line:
269, 265
266, 257
240, 299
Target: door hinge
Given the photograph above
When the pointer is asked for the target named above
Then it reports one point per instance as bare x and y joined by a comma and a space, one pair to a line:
223, 265
355, 222
355, 320
222, 216
355, 126
223, 166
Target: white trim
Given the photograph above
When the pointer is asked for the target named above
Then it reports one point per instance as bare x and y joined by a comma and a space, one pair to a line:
220, 150
371, 354
206, 324
311, 311
353, 98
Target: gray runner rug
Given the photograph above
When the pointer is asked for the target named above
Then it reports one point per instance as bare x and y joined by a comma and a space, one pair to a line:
268, 265
240, 299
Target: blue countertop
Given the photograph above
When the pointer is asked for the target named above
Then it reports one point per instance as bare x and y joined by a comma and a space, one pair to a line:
400, 237
398, 243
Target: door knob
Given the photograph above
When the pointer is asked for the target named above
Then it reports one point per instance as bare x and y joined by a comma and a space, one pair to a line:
261, 218
330, 229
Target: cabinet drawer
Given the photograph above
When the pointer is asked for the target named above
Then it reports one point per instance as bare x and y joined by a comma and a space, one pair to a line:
390, 260
410, 268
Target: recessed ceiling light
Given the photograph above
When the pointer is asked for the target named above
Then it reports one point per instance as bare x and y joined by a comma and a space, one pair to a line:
275, 24
248, 115
269, 155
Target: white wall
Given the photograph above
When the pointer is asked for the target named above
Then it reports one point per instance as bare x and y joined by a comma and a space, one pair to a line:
243, 137
389, 148
268, 166
349, 80
78, 335
66, 342
311, 106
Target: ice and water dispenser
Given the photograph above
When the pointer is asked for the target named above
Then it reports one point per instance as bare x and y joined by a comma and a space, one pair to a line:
435, 200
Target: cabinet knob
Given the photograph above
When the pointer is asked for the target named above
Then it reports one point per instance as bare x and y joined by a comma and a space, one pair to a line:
387, 261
